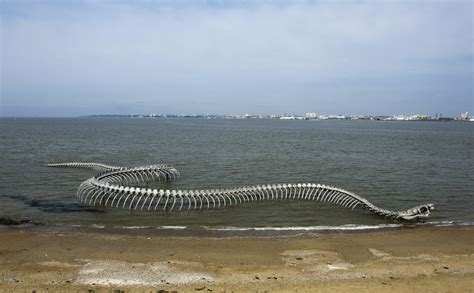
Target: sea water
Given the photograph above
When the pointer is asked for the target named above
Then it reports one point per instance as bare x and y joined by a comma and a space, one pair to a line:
395, 165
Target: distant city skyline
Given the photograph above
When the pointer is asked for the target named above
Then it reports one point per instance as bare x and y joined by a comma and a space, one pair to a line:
61, 59
465, 116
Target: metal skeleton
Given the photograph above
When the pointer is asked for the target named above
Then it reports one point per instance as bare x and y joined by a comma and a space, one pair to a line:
113, 187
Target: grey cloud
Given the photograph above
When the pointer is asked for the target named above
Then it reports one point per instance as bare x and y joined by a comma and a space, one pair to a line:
360, 57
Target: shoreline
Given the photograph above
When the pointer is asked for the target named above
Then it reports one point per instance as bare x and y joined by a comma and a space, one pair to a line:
425, 258
228, 232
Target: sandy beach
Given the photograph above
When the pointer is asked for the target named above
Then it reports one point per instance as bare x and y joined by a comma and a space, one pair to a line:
408, 260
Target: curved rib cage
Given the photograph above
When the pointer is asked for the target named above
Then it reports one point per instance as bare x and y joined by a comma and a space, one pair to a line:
113, 187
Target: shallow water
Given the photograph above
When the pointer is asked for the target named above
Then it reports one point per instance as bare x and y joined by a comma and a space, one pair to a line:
395, 165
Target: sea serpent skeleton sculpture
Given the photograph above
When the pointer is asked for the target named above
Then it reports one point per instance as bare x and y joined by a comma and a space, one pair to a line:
113, 186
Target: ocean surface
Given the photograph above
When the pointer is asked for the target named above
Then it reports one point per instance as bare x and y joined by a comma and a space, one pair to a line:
395, 165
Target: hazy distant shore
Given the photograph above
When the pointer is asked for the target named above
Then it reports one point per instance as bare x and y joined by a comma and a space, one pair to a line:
406, 260
464, 117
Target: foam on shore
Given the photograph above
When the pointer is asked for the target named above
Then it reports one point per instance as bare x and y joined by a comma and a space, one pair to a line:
348, 227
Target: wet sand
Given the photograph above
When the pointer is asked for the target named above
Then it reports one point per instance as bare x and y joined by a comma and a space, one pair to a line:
407, 260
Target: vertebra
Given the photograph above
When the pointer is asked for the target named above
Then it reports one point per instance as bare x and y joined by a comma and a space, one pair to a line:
113, 187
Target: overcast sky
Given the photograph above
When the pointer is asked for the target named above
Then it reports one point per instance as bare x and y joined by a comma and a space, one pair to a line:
220, 57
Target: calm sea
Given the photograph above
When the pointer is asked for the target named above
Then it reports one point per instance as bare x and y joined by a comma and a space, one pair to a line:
395, 165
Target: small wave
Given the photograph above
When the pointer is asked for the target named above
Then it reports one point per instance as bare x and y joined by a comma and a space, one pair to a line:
132, 227
347, 227
449, 223
173, 227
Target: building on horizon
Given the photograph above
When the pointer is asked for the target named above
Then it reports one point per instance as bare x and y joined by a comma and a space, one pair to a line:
310, 115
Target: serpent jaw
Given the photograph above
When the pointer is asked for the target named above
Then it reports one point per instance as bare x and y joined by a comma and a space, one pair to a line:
117, 187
